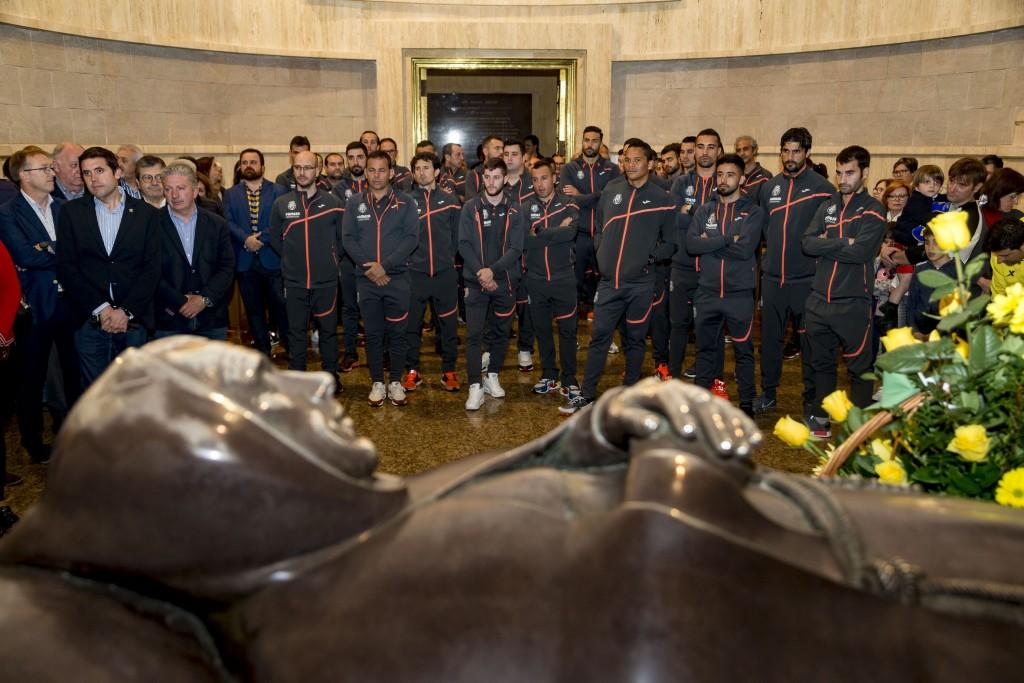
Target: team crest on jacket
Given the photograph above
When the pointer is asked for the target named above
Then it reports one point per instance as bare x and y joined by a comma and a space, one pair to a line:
291, 205
712, 223
485, 214
689, 190
348, 192
832, 210
361, 208
534, 210
617, 199
776, 191
579, 174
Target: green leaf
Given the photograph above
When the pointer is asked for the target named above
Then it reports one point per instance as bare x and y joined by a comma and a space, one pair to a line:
984, 347
896, 388
927, 475
954, 320
964, 483
977, 304
1013, 345
854, 419
987, 475
974, 267
934, 278
970, 400
906, 359
940, 292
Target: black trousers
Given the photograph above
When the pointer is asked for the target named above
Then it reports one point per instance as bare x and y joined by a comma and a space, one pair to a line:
842, 323
586, 267
555, 302
778, 302
735, 313
660, 329
497, 308
320, 305
262, 293
441, 291
525, 335
385, 310
682, 288
632, 300
349, 308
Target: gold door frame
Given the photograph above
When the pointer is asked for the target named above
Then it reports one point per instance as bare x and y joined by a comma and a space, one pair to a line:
566, 114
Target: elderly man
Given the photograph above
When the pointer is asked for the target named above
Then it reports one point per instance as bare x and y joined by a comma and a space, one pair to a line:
68, 182
127, 158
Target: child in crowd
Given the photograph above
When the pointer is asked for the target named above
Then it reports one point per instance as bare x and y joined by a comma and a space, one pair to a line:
921, 313
925, 200
1006, 251
891, 284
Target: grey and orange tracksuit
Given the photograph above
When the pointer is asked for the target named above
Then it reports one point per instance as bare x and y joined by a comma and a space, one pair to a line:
519, 192
590, 181
343, 190
838, 311
754, 180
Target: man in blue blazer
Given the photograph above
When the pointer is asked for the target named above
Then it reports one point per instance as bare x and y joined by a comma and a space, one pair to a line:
247, 208
28, 230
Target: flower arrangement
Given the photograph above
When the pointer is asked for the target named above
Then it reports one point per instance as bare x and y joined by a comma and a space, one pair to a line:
951, 414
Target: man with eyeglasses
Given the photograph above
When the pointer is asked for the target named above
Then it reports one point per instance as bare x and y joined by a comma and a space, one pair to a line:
108, 263
148, 170
68, 183
28, 230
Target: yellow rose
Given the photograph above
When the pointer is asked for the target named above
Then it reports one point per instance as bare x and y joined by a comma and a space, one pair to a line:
1017, 321
934, 336
1010, 490
1003, 306
950, 303
950, 230
881, 449
961, 347
901, 336
891, 472
970, 442
837, 405
792, 432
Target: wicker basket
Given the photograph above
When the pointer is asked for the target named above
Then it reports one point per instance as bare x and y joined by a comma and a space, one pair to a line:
857, 439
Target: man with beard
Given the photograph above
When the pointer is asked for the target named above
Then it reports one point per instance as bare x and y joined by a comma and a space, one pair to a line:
380, 232
670, 168
453, 173
305, 229
519, 187
491, 243
491, 148
432, 272
247, 208
403, 176
353, 181
299, 143
334, 168
844, 236
583, 179
726, 233
687, 154
636, 221
755, 174
791, 199
370, 140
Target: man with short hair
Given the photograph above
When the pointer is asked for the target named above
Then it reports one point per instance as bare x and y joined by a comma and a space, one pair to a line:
353, 182
197, 262
380, 231
148, 170
492, 148
844, 237
246, 208
670, 167
1006, 247
403, 176
305, 230
519, 188
755, 174
491, 244
548, 249
127, 157
964, 181
28, 230
687, 154
68, 184
559, 161
370, 140
453, 173
992, 163
299, 143
108, 263
432, 272
636, 222
334, 167
531, 150
425, 146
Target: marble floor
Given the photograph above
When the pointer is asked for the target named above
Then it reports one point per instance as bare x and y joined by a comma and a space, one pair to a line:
435, 427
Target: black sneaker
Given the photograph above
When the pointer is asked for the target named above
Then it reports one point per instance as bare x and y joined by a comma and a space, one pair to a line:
690, 372
764, 404
748, 408
821, 427
576, 402
791, 351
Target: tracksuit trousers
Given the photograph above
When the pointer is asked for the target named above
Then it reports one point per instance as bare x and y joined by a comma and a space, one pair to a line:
632, 300
555, 302
349, 308
320, 304
778, 302
385, 310
441, 291
498, 307
846, 323
682, 289
734, 311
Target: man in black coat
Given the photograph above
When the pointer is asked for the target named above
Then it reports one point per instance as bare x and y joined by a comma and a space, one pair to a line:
197, 262
108, 263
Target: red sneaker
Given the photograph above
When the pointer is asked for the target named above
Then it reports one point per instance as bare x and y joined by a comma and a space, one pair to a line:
411, 380
719, 390
449, 382
662, 373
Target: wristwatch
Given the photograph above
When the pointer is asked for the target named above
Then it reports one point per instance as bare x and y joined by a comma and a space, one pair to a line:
207, 302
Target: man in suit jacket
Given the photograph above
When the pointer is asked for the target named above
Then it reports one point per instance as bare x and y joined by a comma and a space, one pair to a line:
68, 184
197, 262
28, 229
109, 264
247, 208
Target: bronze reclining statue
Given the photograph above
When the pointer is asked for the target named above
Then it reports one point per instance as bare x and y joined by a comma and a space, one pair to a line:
208, 517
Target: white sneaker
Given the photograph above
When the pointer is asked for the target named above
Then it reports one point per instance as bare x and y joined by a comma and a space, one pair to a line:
525, 361
377, 395
315, 341
476, 397
396, 392
613, 349
491, 385
485, 361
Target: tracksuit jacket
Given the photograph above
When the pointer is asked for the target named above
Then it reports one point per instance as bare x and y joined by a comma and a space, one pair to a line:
843, 268
635, 229
521, 190
491, 237
790, 202
549, 253
306, 232
348, 186
727, 265
754, 180
439, 231
590, 181
385, 231
691, 190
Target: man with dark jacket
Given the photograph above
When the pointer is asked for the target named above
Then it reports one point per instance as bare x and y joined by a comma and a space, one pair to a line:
286, 178
353, 182
519, 188
453, 172
726, 233
755, 174
844, 235
790, 199
305, 229
635, 231
197, 262
380, 231
247, 210
108, 263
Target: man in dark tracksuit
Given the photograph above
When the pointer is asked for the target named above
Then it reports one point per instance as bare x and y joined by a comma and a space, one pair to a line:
519, 188
491, 243
636, 231
727, 233
453, 171
380, 232
353, 182
550, 234
492, 148
305, 229
845, 235
790, 199
583, 179
432, 272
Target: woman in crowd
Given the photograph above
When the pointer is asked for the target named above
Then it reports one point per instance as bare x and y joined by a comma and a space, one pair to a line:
212, 169
1002, 191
